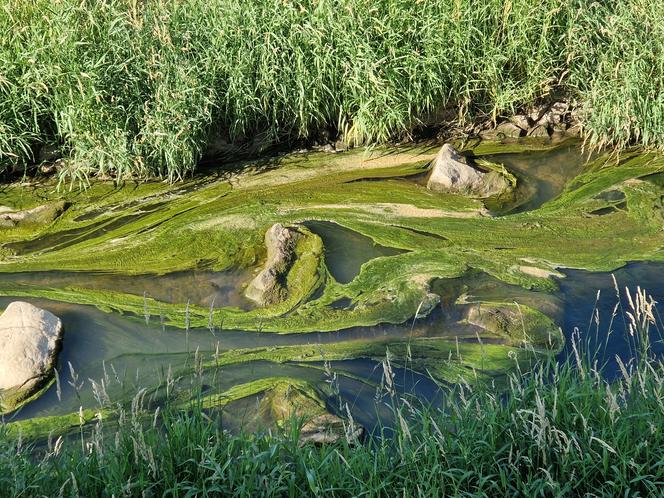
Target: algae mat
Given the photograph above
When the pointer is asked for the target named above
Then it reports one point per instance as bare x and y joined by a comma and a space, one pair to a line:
403, 245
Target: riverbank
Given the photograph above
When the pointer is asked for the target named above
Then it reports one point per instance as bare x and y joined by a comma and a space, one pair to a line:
142, 89
560, 430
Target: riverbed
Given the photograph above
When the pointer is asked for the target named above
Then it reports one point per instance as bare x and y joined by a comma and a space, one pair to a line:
133, 318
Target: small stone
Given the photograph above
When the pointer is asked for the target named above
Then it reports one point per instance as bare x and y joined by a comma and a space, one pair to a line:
554, 115
502, 131
520, 120
536, 113
539, 132
341, 146
574, 130
47, 169
559, 127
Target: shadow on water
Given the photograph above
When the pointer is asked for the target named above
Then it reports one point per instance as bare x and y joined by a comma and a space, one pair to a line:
347, 250
602, 338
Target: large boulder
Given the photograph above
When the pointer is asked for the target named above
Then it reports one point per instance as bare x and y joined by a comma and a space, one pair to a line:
269, 286
35, 216
30, 339
452, 173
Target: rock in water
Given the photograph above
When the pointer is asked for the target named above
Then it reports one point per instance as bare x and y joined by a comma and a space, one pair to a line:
452, 173
36, 216
269, 286
30, 339
285, 400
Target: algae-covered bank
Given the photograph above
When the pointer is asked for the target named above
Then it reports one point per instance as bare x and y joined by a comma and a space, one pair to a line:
269, 280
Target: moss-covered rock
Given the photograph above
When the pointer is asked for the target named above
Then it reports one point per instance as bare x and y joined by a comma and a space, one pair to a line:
39, 215
518, 323
289, 249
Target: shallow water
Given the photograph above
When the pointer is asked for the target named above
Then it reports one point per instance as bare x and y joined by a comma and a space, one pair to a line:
130, 352
606, 339
541, 175
198, 287
346, 250
133, 353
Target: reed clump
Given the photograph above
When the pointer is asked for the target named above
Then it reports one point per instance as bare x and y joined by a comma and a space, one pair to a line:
140, 88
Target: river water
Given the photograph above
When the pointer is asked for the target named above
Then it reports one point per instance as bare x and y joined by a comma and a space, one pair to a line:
132, 352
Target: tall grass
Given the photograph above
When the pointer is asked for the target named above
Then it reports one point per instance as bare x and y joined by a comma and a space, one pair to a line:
129, 87
559, 430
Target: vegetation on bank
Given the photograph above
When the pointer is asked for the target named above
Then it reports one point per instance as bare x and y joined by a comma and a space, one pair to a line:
129, 88
560, 430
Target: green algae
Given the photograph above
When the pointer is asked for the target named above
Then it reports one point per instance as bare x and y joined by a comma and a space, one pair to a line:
55, 425
220, 226
444, 359
315, 403
518, 323
13, 399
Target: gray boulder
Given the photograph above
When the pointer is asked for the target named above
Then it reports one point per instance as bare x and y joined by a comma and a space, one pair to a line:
30, 339
452, 173
269, 286
539, 131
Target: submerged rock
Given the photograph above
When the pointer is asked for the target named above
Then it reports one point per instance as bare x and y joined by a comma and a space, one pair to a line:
517, 323
30, 339
499, 320
35, 216
269, 286
287, 400
452, 173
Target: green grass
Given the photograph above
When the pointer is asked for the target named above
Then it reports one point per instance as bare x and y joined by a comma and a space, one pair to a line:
556, 429
570, 436
138, 88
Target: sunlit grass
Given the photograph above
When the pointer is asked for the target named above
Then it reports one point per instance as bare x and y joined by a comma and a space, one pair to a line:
559, 429
138, 87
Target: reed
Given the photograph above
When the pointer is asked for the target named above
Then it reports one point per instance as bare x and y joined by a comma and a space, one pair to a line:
139, 88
